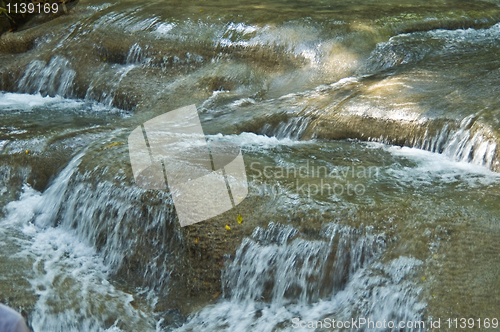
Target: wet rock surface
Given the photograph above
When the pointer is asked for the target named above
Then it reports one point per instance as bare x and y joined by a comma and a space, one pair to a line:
289, 90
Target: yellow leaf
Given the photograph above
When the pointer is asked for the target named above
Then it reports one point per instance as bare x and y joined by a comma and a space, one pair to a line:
239, 219
423, 278
27, 151
111, 145
435, 256
228, 228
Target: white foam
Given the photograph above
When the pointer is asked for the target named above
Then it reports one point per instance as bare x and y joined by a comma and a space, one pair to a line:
21, 212
244, 102
431, 166
251, 141
242, 28
164, 28
69, 276
29, 102
24, 101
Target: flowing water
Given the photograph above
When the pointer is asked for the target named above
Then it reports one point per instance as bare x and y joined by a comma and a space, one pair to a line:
369, 131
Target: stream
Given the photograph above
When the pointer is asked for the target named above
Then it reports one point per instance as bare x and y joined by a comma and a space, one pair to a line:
369, 134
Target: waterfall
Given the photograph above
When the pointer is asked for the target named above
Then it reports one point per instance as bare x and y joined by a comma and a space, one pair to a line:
52, 78
278, 275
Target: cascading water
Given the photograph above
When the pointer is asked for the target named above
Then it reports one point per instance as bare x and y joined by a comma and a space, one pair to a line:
276, 276
54, 78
